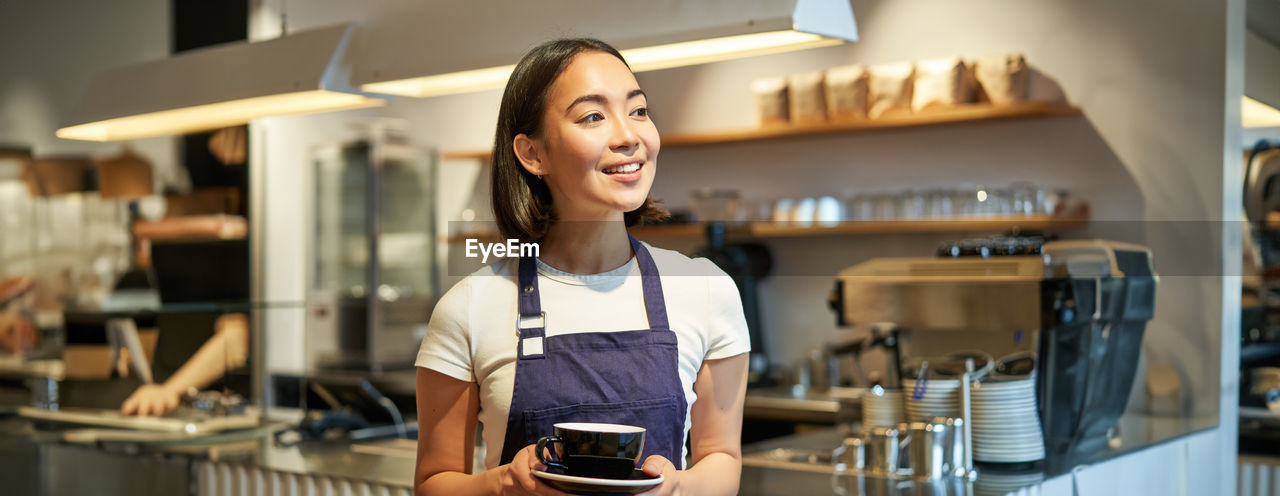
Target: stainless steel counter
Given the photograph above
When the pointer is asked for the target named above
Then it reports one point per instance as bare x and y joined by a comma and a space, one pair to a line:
36, 461
369, 462
39, 461
765, 473
800, 405
804, 467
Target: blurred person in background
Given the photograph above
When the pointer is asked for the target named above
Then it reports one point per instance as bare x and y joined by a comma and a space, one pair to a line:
17, 333
227, 349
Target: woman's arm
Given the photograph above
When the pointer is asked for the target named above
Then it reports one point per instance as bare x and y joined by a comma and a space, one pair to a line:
226, 350
447, 409
716, 434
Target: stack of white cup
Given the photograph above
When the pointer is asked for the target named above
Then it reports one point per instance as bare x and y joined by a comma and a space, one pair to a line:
882, 408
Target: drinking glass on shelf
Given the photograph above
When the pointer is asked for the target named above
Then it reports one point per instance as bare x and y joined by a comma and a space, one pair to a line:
758, 210
863, 207
1028, 199
783, 210
716, 204
1001, 200
983, 203
962, 201
910, 204
937, 204
850, 210
884, 206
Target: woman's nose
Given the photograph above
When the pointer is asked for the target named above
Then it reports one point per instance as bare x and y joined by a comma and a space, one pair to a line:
624, 137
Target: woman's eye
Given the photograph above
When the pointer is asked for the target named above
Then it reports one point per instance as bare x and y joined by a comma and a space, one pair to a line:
591, 118
640, 112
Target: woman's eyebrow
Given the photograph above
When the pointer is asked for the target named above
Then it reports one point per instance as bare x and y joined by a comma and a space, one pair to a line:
600, 99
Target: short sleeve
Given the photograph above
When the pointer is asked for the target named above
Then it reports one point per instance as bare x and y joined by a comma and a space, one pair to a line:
727, 324
446, 348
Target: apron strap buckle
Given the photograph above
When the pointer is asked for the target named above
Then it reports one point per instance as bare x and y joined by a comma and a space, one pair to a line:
522, 320
531, 336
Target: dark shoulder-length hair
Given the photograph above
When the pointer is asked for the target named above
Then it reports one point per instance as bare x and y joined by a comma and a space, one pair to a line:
522, 201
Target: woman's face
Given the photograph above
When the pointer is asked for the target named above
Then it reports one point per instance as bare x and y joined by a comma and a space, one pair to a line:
599, 149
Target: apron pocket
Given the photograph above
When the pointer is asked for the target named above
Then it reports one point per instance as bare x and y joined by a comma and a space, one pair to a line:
661, 418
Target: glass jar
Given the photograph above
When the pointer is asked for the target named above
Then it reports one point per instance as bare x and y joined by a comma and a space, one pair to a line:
716, 204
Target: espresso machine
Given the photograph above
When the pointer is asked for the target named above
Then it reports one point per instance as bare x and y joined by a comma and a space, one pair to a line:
1080, 307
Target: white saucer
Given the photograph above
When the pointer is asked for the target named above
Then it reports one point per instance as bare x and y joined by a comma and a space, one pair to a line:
571, 484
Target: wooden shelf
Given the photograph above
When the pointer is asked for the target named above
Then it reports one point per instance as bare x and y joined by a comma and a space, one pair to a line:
1027, 223
954, 115
466, 155
670, 231
667, 231
768, 230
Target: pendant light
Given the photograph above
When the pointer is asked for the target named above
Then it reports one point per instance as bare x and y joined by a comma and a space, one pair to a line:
1255, 114
456, 47
220, 86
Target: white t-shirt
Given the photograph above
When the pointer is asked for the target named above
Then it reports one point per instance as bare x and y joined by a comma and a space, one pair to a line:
472, 335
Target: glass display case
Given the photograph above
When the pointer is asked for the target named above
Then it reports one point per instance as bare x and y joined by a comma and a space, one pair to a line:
373, 280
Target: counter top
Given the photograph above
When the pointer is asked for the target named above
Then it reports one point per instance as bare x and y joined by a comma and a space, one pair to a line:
800, 405
377, 462
391, 462
13, 367
383, 463
761, 477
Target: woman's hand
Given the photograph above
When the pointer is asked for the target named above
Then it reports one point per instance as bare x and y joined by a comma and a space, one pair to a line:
656, 465
151, 399
517, 476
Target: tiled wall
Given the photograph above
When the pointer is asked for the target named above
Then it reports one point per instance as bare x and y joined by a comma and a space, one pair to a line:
74, 244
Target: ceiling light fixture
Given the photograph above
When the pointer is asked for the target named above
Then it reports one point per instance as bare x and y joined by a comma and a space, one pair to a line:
650, 35
1255, 114
221, 86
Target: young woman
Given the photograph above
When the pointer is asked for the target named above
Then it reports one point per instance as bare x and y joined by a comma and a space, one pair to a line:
525, 343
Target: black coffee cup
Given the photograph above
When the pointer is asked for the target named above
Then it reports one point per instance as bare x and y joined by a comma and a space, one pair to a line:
599, 451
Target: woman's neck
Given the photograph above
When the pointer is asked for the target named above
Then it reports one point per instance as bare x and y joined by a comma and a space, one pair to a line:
592, 247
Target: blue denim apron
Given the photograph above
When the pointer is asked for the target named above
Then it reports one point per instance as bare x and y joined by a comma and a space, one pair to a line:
623, 377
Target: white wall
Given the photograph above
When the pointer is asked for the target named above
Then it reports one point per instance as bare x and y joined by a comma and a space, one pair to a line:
1151, 78
49, 51
1262, 75
1262, 82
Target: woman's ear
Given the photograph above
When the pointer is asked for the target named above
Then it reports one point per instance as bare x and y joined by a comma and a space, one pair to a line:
529, 154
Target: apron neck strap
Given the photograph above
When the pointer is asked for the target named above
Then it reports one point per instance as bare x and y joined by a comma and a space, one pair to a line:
530, 303
654, 303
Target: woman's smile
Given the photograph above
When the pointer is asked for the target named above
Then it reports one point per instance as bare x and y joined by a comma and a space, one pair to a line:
627, 171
